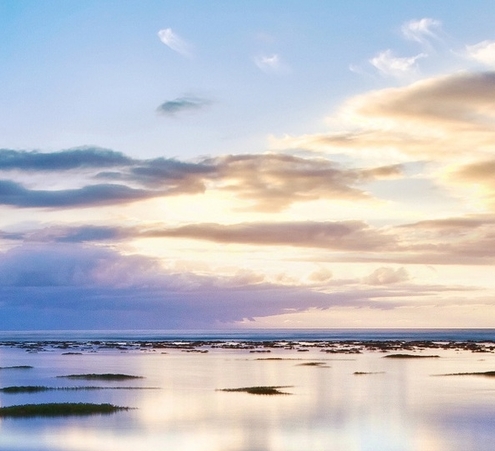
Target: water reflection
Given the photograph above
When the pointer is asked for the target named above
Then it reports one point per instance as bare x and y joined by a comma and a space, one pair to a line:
396, 406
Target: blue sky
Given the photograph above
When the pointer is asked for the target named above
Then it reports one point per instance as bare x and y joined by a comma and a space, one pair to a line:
178, 164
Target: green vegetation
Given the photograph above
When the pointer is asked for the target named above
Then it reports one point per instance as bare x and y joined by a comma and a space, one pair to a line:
320, 364
362, 373
38, 388
411, 356
18, 367
58, 409
261, 390
483, 373
102, 377
25, 389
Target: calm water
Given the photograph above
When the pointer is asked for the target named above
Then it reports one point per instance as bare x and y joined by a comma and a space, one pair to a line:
403, 406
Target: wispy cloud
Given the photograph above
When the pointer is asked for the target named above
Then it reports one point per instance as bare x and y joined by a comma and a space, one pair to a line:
182, 104
422, 30
271, 63
389, 64
348, 235
483, 52
175, 42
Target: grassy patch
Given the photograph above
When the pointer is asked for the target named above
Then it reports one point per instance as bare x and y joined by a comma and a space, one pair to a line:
38, 388
483, 373
18, 367
25, 389
320, 364
261, 390
102, 377
410, 356
362, 373
58, 409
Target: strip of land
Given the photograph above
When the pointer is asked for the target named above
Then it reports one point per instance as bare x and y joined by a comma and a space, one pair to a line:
58, 409
40, 388
103, 377
259, 390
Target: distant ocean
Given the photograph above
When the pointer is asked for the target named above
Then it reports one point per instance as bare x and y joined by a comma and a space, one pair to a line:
478, 335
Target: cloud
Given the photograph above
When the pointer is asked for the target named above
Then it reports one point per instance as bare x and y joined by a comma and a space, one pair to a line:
475, 180
176, 43
483, 52
264, 182
434, 118
78, 158
272, 182
386, 276
90, 288
388, 64
182, 104
272, 63
422, 30
461, 99
345, 235
16, 195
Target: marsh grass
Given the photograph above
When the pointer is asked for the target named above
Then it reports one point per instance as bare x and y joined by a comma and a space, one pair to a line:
363, 373
17, 367
318, 364
39, 388
483, 373
410, 356
58, 409
102, 377
259, 390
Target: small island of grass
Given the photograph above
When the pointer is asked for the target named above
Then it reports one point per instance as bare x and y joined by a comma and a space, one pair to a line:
410, 356
40, 388
260, 390
319, 364
58, 409
17, 367
482, 373
102, 377
363, 373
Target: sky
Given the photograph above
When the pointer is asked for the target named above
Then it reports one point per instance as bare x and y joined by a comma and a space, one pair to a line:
266, 164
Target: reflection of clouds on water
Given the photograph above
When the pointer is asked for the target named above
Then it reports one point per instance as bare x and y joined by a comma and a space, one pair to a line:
399, 406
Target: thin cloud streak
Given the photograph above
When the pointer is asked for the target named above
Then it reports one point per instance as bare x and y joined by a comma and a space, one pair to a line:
422, 31
389, 64
175, 42
182, 104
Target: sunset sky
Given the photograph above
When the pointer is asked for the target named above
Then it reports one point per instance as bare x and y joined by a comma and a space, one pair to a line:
229, 164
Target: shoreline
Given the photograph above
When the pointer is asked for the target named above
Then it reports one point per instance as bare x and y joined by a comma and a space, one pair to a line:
76, 347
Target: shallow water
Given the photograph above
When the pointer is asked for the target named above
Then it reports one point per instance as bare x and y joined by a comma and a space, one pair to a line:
403, 406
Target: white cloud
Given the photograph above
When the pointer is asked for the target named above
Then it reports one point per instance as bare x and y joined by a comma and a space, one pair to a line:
176, 43
391, 65
421, 30
386, 276
271, 63
483, 52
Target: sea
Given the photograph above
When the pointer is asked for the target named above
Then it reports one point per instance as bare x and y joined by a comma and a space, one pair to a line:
253, 334
328, 390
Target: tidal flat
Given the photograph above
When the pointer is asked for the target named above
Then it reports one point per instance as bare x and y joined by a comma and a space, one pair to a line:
214, 395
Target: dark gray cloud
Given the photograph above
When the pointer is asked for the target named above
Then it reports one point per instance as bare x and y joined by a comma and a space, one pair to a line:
182, 104
84, 157
14, 194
